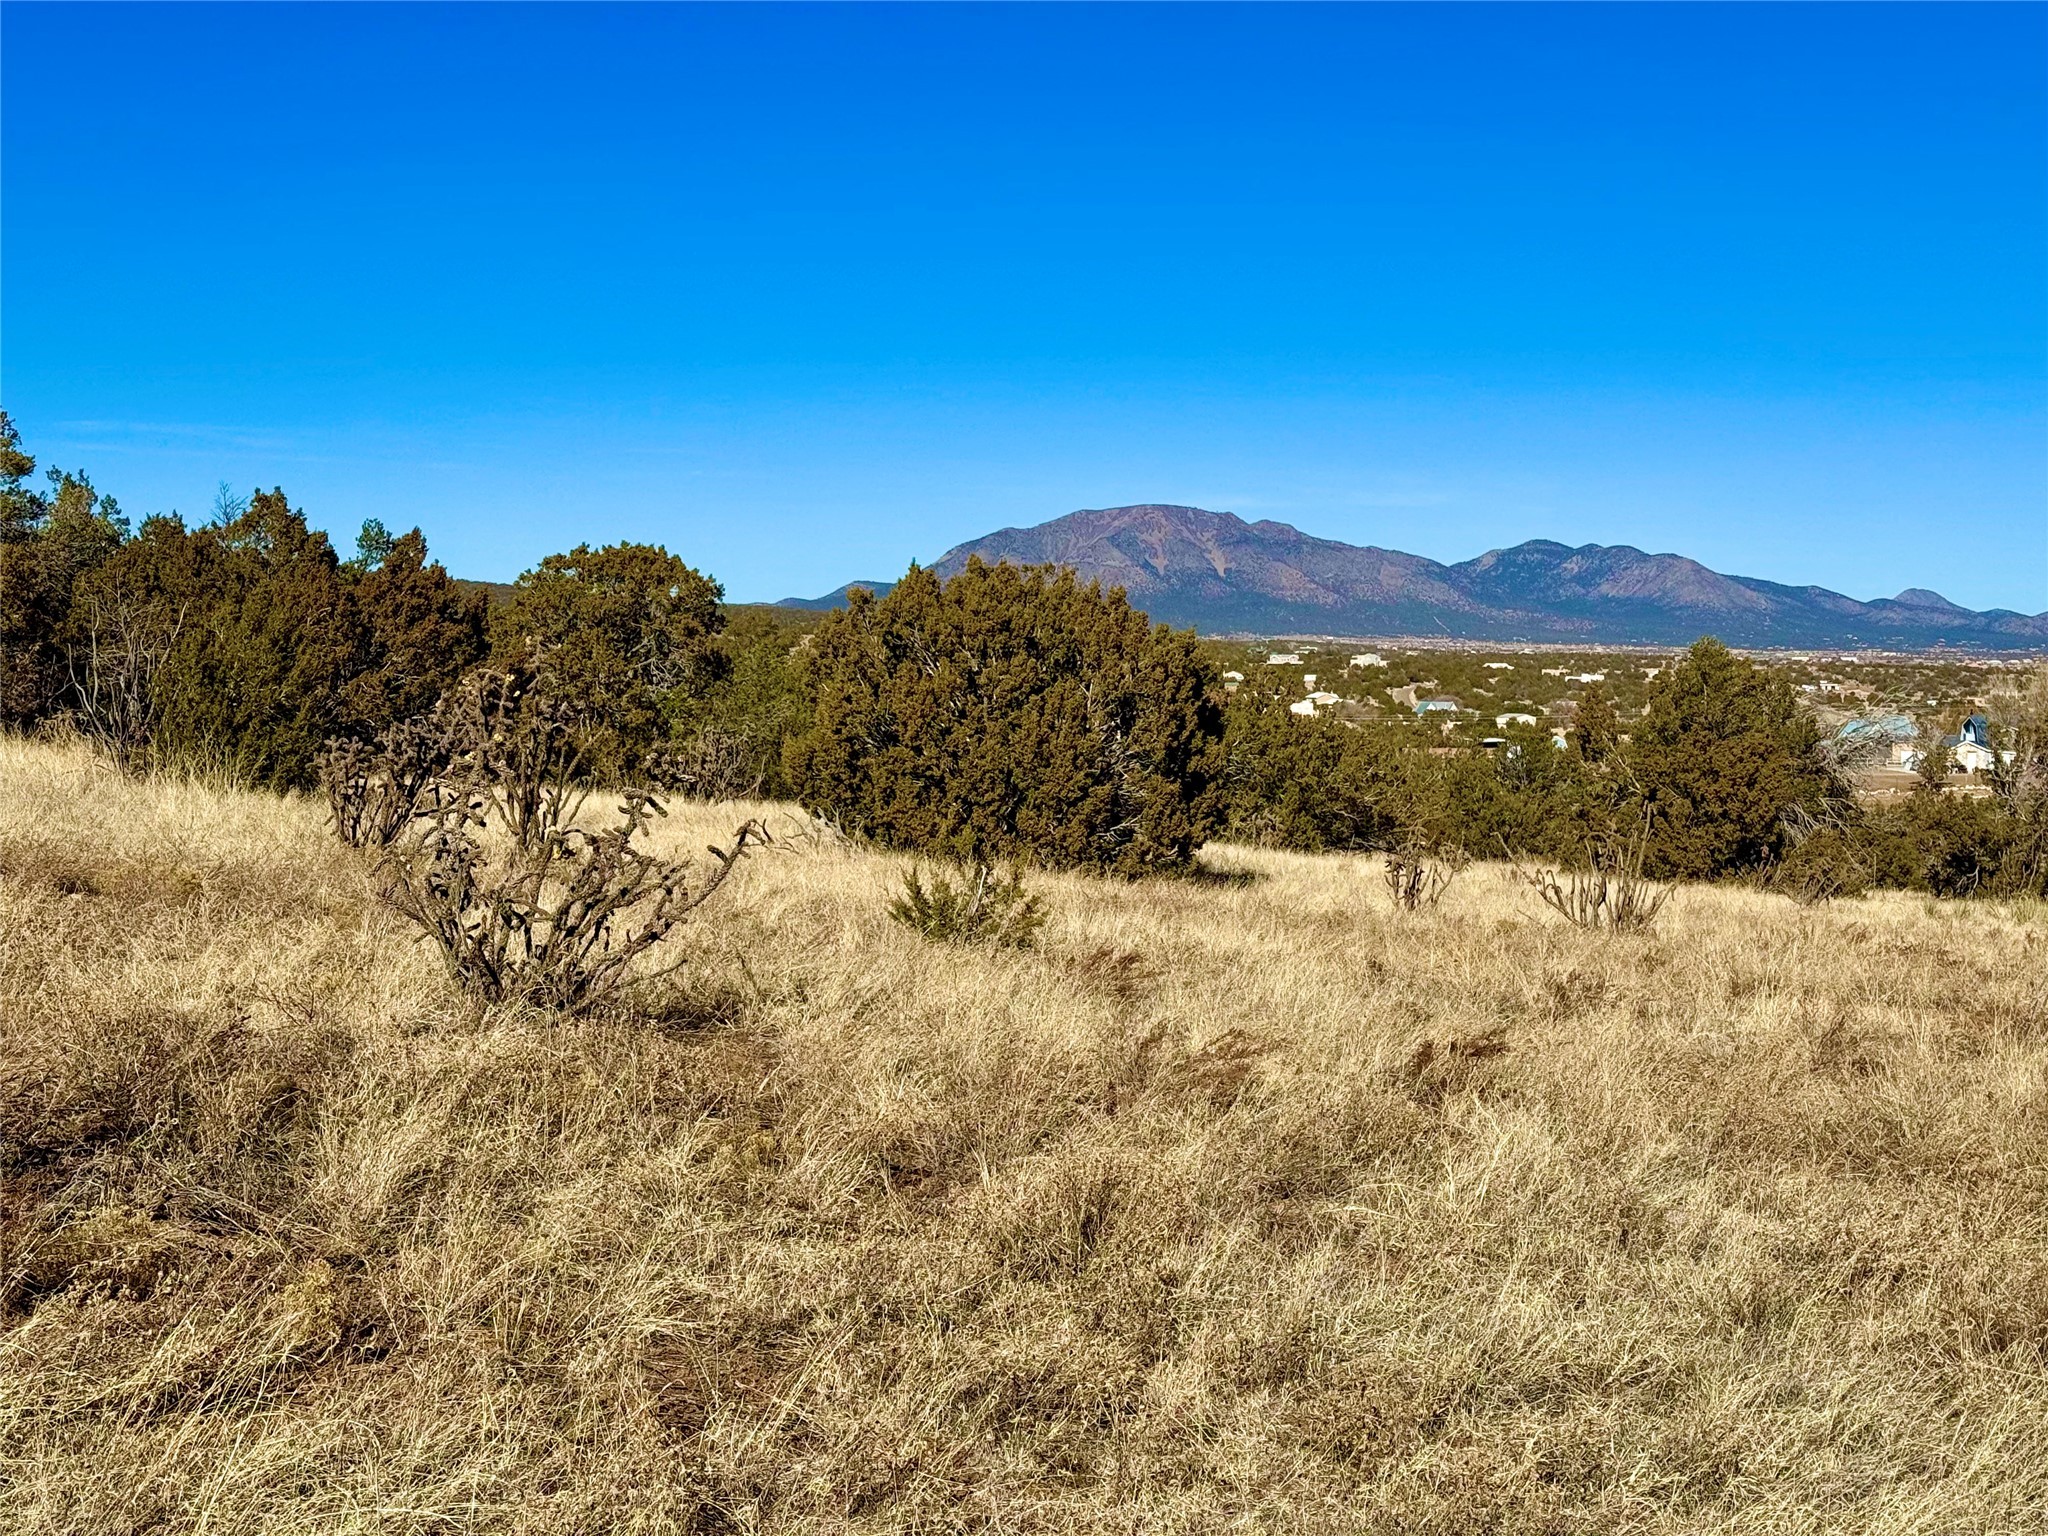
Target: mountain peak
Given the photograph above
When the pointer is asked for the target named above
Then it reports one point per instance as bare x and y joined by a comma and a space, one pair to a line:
1921, 597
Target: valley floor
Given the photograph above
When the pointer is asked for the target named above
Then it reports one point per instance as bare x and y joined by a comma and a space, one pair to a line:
1245, 1203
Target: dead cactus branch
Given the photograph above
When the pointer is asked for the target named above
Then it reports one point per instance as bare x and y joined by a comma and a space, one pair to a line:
1610, 893
518, 747
374, 789
561, 920
1416, 879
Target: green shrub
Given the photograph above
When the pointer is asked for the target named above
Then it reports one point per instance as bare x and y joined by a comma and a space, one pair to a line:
1012, 714
983, 910
1307, 783
1724, 755
620, 636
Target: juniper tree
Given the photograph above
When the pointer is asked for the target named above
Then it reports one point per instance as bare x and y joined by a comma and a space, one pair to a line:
1013, 713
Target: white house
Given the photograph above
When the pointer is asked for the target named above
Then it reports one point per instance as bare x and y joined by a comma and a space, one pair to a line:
1970, 748
1308, 679
1587, 677
1302, 707
1513, 719
1284, 659
1500, 666
1322, 698
1369, 659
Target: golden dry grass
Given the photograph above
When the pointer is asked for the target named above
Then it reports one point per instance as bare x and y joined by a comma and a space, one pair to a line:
1237, 1205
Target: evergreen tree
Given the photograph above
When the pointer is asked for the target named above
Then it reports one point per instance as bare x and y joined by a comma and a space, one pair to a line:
1013, 714
49, 542
623, 635
1723, 754
424, 632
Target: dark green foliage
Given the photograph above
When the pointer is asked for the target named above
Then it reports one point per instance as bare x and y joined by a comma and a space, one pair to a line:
1598, 727
1012, 714
624, 636
1828, 862
273, 645
425, 630
1309, 783
982, 910
49, 542
374, 544
729, 738
1525, 797
1723, 756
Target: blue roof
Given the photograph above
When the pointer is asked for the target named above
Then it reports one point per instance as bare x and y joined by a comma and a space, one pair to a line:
1880, 728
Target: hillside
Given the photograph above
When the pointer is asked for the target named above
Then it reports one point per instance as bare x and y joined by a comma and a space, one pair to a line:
1220, 574
1239, 1203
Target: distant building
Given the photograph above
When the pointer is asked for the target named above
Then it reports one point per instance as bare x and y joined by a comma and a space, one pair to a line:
1323, 698
1308, 679
1587, 677
1369, 659
1302, 707
1970, 748
1513, 719
1284, 659
1500, 666
1437, 706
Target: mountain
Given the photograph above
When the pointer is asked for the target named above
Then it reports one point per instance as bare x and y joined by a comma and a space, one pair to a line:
1220, 574
836, 598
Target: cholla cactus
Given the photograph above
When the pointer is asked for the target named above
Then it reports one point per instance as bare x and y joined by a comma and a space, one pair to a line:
562, 919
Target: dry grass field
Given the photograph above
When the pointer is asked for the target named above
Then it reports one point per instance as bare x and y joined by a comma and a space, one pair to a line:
1238, 1204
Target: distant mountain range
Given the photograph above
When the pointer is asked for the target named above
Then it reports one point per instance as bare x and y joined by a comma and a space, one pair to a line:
1221, 575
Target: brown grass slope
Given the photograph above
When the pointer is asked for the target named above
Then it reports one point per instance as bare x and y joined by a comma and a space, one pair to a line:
1246, 1205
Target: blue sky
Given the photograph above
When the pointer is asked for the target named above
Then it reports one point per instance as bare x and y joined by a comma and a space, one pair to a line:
805, 293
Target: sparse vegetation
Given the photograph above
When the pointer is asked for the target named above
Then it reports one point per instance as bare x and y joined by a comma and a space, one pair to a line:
1608, 891
1228, 1203
1415, 879
982, 909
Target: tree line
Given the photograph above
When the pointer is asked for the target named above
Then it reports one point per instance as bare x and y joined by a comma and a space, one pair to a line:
1004, 715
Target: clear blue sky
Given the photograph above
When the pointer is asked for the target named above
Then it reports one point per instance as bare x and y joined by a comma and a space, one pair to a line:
806, 293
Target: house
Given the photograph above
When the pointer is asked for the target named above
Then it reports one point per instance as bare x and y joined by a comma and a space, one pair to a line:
1284, 659
1322, 698
1500, 666
1587, 677
1879, 728
1369, 659
1308, 679
1553, 671
1302, 707
1231, 680
1436, 706
1506, 720
1970, 748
